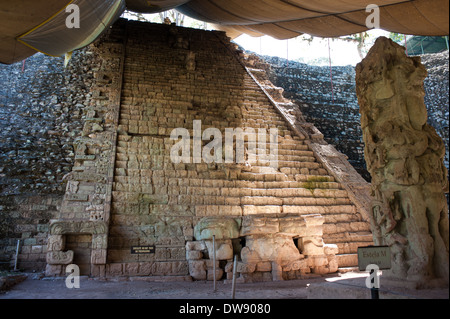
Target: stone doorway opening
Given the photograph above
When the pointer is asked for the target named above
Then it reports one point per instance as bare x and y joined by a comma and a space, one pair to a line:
81, 245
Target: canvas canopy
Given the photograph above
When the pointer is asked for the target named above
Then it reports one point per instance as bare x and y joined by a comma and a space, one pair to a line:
27, 26
285, 19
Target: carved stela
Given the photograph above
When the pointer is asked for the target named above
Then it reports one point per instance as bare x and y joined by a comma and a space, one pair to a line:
404, 156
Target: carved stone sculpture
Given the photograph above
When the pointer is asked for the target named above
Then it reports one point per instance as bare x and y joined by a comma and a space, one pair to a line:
404, 156
222, 228
60, 257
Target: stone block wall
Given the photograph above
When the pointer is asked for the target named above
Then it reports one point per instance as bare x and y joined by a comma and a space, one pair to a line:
42, 106
173, 76
436, 98
332, 107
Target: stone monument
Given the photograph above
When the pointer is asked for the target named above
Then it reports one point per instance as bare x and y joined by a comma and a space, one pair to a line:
404, 156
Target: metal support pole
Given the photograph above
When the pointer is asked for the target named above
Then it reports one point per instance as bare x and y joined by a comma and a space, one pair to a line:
233, 283
287, 52
406, 45
331, 73
214, 261
374, 293
17, 254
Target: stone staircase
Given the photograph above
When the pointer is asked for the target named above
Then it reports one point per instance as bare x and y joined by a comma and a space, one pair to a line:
157, 202
299, 171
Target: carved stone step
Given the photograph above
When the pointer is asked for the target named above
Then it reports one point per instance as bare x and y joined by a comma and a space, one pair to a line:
347, 260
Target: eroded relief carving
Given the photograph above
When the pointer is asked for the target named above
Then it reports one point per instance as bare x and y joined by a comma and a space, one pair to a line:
78, 227
59, 257
404, 156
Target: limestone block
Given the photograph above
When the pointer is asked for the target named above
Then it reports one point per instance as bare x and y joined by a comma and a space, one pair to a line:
292, 225
313, 220
89, 227
266, 209
314, 225
194, 255
333, 265
195, 245
131, 269
269, 248
277, 272
54, 270
317, 261
55, 243
210, 274
145, 268
347, 260
98, 270
60, 257
98, 256
221, 228
320, 270
229, 267
330, 249
99, 241
224, 249
171, 268
264, 266
295, 265
209, 263
197, 269
253, 225
245, 267
311, 246
114, 269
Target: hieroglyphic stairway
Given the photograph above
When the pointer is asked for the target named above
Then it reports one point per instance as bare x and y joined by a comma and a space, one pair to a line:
308, 214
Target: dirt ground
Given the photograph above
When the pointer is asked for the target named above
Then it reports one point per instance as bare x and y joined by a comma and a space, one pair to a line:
47, 288
196, 299
337, 286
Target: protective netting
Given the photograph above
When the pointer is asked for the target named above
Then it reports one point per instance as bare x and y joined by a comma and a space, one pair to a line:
83, 22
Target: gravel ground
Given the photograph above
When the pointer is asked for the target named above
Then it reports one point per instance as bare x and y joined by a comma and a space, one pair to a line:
198, 300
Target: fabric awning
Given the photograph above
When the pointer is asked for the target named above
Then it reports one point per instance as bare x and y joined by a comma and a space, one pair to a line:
283, 19
30, 25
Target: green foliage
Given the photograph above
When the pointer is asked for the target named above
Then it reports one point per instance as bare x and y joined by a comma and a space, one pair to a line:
397, 37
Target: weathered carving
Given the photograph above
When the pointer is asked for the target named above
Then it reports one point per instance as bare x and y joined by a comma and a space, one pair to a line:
404, 156
78, 227
85, 177
72, 187
222, 228
55, 243
98, 256
99, 241
60, 257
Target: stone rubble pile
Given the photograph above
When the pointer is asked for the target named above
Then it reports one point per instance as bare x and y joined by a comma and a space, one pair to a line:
41, 110
41, 114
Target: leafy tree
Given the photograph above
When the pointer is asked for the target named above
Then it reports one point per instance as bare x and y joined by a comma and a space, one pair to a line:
398, 38
360, 39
